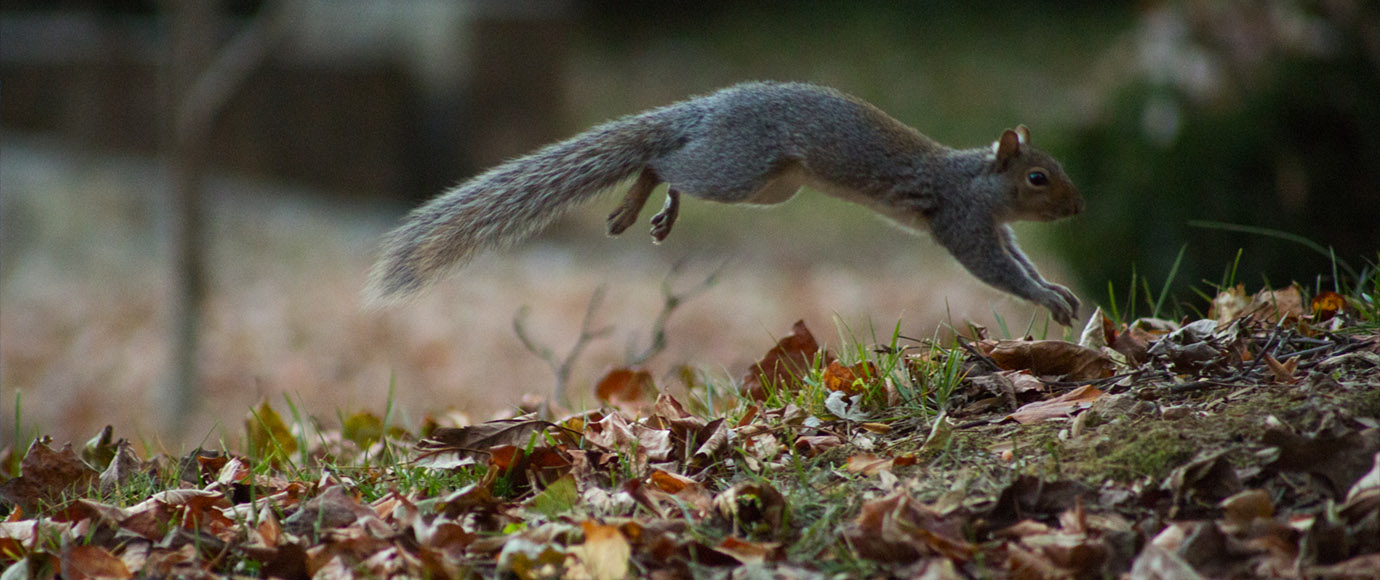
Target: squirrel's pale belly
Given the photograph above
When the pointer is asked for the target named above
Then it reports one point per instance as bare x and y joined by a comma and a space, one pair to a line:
789, 181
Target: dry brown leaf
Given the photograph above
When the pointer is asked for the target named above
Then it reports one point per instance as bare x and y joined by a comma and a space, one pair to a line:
625, 385
791, 357
751, 552
1267, 306
1132, 344
1052, 357
80, 562
1283, 371
46, 475
605, 551
477, 440
715, 437
671, 482
868, 464
1245, 507
813, 445
1061, 406
752, 506
898, 528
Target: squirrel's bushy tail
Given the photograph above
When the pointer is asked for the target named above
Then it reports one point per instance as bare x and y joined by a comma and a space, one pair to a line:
514, 201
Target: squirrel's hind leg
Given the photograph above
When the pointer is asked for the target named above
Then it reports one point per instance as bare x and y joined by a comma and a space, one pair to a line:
631, 205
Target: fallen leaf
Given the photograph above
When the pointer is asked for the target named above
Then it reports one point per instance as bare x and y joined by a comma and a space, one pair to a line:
1326, 305
605, 551
1340, 459
92, 562
751, 552
363, 428
753, 507
1283, 371
476, 440
867, 464
898, 528
1062, 406
269, 436
624, 385
1052, 357
849, 380
1267, 306
46, 476
559, 497
790, 359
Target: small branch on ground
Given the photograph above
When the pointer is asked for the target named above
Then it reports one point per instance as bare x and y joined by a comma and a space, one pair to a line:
671, 301
562, 367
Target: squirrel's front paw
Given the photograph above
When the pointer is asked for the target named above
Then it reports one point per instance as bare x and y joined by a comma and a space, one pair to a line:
1068, 296
1061, 302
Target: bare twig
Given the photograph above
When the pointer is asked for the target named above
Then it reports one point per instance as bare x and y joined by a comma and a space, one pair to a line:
562, 367
671, 301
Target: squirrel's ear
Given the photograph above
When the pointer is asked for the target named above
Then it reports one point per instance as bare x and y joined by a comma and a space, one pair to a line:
1006, 148
1023, 134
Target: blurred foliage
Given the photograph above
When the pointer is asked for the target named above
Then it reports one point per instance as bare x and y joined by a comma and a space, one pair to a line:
1243, 114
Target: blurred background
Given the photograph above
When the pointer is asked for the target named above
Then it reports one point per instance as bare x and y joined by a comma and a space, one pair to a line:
191, 193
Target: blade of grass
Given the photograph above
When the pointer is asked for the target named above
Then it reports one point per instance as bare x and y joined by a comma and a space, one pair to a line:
1273, 233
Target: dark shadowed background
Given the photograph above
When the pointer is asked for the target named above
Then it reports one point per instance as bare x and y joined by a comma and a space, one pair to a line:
309, 127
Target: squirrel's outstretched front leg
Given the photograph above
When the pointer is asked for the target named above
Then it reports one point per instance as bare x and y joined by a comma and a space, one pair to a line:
631, 205
1009, 237
983, 248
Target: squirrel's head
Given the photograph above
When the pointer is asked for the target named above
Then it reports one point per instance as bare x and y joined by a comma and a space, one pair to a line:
1037, 184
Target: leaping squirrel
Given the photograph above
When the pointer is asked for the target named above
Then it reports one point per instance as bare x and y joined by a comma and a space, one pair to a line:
755, 143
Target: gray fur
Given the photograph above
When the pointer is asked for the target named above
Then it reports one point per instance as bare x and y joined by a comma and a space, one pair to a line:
754, 143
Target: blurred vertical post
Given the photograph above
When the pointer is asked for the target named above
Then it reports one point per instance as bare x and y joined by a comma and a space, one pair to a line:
202, 78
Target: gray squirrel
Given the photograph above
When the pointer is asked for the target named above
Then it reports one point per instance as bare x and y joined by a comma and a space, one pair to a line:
755, 143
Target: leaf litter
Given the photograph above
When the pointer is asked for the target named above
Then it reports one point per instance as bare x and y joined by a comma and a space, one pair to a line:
1243, 445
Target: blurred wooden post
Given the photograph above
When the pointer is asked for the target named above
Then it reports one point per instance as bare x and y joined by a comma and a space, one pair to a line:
190, 46
202, 79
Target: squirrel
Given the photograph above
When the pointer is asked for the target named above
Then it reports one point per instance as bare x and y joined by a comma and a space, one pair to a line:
754, 143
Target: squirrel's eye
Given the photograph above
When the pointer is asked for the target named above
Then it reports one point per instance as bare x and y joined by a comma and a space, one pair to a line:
1037, 178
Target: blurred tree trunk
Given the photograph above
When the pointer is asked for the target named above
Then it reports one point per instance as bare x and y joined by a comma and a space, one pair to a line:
203, 76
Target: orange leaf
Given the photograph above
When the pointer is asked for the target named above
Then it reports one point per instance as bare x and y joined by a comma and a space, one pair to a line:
624, 384
504, 457
848, 379
1326, 305
671, 482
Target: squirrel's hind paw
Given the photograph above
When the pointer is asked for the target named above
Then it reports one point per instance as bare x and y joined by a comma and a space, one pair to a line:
664, 219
